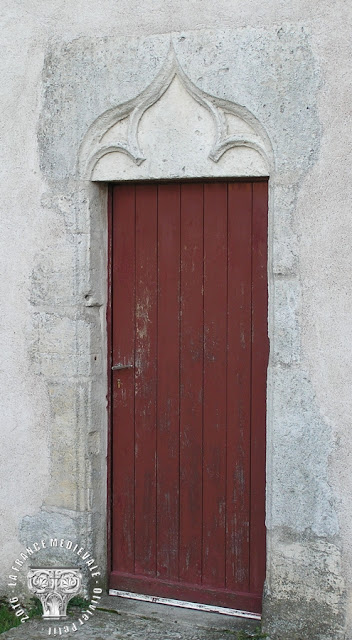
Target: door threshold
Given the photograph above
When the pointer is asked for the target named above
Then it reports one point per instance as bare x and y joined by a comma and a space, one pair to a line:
209, 608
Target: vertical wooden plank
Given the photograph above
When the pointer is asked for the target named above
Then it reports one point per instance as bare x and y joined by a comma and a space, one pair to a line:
238, 385
145, 379
260, 353
191, 383
123, 292
214, 428
168, 380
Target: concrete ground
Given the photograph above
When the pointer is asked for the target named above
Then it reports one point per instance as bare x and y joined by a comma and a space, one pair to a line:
122, 619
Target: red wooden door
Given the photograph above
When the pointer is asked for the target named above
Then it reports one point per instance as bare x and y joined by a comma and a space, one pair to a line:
189, 355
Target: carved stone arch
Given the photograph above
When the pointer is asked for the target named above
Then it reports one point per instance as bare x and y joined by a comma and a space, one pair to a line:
174, 130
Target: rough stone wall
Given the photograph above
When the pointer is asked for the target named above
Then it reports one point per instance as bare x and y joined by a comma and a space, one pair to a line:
288, 64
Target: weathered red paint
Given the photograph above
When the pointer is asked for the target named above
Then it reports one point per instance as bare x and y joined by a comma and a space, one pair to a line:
123, 321
191, 384
189, 310
214, 387
239, 394
144, 532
